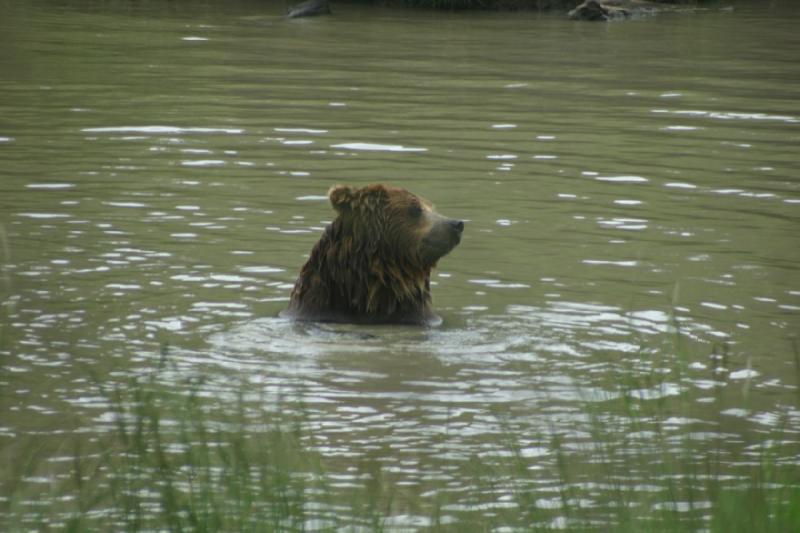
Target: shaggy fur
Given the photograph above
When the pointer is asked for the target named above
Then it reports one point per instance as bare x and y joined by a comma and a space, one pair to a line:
373, 263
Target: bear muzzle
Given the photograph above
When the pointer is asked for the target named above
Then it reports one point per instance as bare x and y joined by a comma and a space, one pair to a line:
443, 236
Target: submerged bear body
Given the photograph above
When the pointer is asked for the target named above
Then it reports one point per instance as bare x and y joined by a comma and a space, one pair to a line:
373, 263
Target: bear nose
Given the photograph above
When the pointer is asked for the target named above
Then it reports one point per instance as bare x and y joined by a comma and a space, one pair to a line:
458, 225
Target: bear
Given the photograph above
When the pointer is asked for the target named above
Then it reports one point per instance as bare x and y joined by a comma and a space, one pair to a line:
372, 264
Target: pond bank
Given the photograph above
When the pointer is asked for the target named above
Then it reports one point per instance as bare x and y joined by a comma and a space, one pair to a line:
512, 5
588, 10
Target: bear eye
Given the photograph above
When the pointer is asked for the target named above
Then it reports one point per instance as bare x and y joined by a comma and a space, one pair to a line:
415, 210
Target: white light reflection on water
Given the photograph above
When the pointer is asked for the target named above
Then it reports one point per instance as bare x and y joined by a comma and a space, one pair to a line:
621, 179
161, 129
204, 163
730, 115
50, 186
43, 215
375, 147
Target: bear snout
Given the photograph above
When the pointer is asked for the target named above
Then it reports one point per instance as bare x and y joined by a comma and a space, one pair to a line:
456, 229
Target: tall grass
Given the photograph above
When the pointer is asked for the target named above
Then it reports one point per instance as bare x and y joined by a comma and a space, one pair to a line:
173, 461
654, 480
176, 459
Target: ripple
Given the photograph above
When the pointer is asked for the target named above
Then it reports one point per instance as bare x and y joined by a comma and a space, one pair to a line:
168, 324
724, 115
634, 224
609, 262
746, 373
124, 286
161, 130
261, 270
50, 186
680, 185
203, 163
657, 392
713, 305
129, 205
43, 215
374, 147
628, 202
310, 131
622, 179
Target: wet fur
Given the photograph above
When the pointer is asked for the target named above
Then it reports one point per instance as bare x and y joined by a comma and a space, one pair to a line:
373, 263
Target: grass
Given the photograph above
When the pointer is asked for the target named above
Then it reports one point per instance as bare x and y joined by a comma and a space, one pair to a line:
174, 459
196, 474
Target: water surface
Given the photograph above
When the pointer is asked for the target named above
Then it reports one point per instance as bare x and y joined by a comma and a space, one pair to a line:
631, 194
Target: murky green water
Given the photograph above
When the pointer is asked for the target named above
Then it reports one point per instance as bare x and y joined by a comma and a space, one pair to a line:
163, 170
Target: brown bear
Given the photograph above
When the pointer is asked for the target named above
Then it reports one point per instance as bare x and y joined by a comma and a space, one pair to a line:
373, 263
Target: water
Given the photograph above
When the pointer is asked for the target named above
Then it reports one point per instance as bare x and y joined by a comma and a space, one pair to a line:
631, 194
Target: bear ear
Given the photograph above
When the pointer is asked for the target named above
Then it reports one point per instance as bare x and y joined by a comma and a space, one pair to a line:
341, 197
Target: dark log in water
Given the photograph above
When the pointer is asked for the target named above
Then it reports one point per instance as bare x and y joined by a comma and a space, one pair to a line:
310, 8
